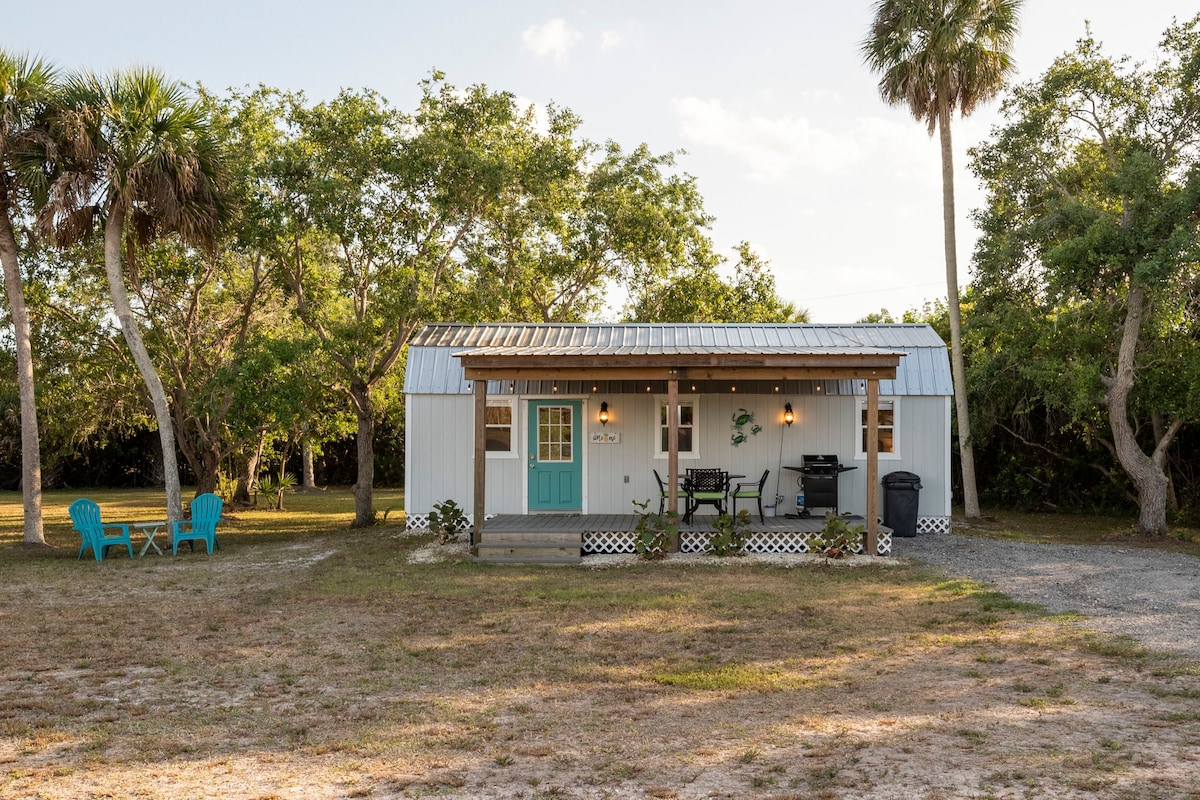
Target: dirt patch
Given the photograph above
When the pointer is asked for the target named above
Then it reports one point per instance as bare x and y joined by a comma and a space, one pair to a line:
365, 665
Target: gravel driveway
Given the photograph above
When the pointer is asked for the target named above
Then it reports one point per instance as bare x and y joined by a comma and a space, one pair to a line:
1151, 595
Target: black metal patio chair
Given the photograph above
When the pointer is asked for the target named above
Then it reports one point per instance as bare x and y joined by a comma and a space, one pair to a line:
702, 486
751, 490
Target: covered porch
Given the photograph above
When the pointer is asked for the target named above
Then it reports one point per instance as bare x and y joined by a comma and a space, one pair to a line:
671, 365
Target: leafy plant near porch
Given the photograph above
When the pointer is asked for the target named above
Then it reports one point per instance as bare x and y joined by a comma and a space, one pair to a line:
654, 533
730, 536
838, 538
447, 520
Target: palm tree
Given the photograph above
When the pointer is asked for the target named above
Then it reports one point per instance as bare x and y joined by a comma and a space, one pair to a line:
139, 158
936, 57
27, 86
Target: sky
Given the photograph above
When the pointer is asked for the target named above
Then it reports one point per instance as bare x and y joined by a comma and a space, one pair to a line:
778, 119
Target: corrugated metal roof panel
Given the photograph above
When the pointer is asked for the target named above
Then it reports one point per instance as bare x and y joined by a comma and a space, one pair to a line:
432, 368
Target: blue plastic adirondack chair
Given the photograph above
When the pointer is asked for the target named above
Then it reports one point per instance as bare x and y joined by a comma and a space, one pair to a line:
85, 516
206, 513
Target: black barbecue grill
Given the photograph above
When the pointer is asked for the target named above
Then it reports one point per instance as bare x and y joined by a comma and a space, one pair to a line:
819, 479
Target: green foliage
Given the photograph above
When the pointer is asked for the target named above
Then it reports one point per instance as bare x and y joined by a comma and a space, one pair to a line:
838, 538
447, 520
654, 533
226, 485
696, 292
730, 536
1084, 344
932, 56
272, 490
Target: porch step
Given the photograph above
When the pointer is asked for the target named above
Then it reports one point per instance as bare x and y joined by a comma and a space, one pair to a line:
530, 548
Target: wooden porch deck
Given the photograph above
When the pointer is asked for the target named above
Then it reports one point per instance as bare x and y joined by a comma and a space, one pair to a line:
604, 523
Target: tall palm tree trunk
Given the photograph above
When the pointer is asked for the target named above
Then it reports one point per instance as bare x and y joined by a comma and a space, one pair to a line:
114, 229
31, 457
962, 413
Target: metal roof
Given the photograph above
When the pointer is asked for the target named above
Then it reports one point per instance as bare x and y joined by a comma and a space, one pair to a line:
433, 369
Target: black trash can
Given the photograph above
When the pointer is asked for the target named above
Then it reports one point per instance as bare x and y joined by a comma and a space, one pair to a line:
901, 491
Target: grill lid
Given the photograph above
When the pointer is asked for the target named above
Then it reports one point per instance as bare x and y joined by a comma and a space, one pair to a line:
823, 465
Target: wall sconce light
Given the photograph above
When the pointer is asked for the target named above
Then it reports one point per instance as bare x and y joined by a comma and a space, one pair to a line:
604, 413
788, 415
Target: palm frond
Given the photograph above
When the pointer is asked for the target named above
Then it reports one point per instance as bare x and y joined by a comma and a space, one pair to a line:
935, 53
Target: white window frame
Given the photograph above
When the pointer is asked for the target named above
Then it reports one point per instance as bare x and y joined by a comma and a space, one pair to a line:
513, 440
694, 453
860, 408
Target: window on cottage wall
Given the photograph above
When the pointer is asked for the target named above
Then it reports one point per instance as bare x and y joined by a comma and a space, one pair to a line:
687, 434
887, 428
499, 436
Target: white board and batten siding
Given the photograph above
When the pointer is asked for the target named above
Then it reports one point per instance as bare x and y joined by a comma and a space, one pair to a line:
439, 438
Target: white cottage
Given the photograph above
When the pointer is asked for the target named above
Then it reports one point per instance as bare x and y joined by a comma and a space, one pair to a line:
519, 420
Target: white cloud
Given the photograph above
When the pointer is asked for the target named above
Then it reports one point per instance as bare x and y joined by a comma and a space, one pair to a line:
554, 38
771, 148
609, 40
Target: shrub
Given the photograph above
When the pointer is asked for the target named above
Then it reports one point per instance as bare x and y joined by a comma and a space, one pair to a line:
447, 520
654, 532
272, 491
730, 536
838, 538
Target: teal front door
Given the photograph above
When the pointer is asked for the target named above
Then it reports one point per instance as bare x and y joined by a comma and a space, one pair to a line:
555, 460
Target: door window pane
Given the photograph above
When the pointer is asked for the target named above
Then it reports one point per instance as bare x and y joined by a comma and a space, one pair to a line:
555, 433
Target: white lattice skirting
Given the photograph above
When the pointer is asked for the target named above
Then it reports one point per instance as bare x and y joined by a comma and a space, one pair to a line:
694, 542
933, 525
420, 522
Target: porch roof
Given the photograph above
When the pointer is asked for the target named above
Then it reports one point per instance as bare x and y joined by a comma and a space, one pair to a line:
908, 359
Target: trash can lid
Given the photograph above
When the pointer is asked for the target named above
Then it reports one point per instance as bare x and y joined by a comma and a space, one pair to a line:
900, 477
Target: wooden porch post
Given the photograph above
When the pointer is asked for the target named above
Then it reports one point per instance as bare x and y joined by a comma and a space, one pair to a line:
480, 463
672, 452
872, 445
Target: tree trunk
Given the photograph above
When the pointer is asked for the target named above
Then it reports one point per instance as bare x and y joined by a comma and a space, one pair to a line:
31, 457
958, 371
114, 230
308, 481
1146, 472
247, 479
207, 476
364, 513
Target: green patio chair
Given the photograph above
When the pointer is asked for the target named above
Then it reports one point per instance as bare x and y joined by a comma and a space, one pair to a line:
206, 513
751, 490
85, 516
709, 486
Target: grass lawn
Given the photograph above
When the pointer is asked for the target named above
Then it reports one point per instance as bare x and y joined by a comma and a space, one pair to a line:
307, 660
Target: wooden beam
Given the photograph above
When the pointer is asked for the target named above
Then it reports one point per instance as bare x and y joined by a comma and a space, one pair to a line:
872, 445
592, 374
480, 464
594, 361
672, 453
